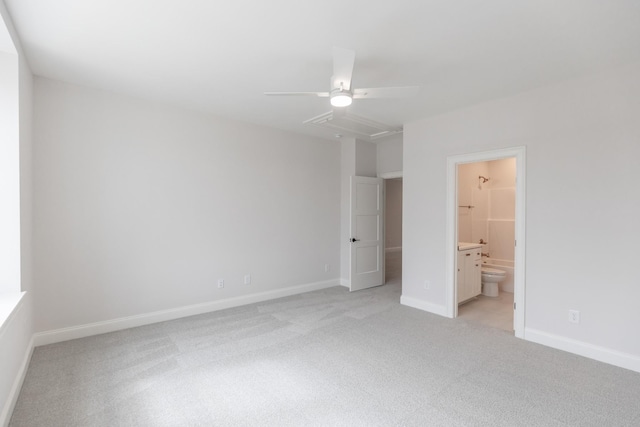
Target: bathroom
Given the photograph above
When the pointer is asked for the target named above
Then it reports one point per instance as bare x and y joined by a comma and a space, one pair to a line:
486, 216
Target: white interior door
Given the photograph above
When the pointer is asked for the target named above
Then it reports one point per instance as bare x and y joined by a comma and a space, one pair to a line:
366, 233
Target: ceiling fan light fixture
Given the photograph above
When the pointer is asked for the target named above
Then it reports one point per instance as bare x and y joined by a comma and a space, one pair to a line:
341, 99
342, 92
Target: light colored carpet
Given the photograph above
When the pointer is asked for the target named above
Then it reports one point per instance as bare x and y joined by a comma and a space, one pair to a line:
325, 358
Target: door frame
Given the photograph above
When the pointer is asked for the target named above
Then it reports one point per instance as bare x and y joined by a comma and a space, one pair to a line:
520, 228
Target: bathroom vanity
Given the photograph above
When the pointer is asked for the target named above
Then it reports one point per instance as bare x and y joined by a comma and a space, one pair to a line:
469, 271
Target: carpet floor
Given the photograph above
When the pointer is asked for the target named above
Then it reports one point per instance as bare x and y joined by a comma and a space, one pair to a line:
324, 358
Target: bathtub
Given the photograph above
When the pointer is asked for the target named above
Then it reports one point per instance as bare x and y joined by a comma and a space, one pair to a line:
505, 265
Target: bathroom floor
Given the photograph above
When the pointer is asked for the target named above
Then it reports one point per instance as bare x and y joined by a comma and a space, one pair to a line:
495, 312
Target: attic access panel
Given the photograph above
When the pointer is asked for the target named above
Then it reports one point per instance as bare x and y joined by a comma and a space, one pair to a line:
353, 125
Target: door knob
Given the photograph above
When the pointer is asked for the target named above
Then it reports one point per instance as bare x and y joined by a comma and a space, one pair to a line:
353, 239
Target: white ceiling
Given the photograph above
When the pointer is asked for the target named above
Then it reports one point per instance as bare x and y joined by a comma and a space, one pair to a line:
6, 44
220, 56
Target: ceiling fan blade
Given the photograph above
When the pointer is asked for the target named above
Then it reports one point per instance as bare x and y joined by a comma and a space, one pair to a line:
386, 92
318, 94
343, 60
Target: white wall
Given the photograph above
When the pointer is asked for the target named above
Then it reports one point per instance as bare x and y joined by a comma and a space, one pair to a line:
583, 144
366, 158
393, 213
16, 332
142, 207
389, 152
9, 174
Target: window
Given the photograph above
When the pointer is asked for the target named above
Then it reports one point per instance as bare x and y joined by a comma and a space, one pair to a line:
9, 167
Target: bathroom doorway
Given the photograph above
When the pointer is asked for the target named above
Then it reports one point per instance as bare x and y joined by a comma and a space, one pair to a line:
486, 235
485, 203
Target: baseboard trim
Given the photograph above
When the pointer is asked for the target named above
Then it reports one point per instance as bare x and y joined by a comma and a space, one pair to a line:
346, 283
7, 411
393, 249
81, 331
602, 354
440, 310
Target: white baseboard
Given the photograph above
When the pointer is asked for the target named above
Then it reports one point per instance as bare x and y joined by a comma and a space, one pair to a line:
81, 331
346, 283
393, 249
602, 354
424, 305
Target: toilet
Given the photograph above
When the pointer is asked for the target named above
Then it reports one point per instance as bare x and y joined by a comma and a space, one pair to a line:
490, 279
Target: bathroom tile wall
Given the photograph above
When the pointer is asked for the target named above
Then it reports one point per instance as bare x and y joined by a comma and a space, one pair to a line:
480, 212
472, 222
502, 207
492, 216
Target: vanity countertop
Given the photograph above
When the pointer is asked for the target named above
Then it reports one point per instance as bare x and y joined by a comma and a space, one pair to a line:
463, 246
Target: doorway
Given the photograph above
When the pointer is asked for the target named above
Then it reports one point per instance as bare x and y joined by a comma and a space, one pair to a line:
486, 235
453, 233
393, 231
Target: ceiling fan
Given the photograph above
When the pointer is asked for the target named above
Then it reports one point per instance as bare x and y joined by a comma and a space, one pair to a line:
342, 94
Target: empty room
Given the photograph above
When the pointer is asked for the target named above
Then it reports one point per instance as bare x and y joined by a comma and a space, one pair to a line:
290, 213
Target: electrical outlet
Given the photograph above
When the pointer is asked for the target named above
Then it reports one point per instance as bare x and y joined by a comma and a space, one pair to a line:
427, 284
220, 283
574, 316
327, 268
247, 279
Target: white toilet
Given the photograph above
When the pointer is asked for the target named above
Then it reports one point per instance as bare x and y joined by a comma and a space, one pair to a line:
490, 279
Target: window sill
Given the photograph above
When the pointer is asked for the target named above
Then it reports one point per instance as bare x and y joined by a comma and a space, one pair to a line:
9, 304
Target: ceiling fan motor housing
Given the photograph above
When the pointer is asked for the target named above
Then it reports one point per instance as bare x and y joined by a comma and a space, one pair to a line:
341, 97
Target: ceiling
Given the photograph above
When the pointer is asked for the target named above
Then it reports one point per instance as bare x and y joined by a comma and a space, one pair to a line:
220, 56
